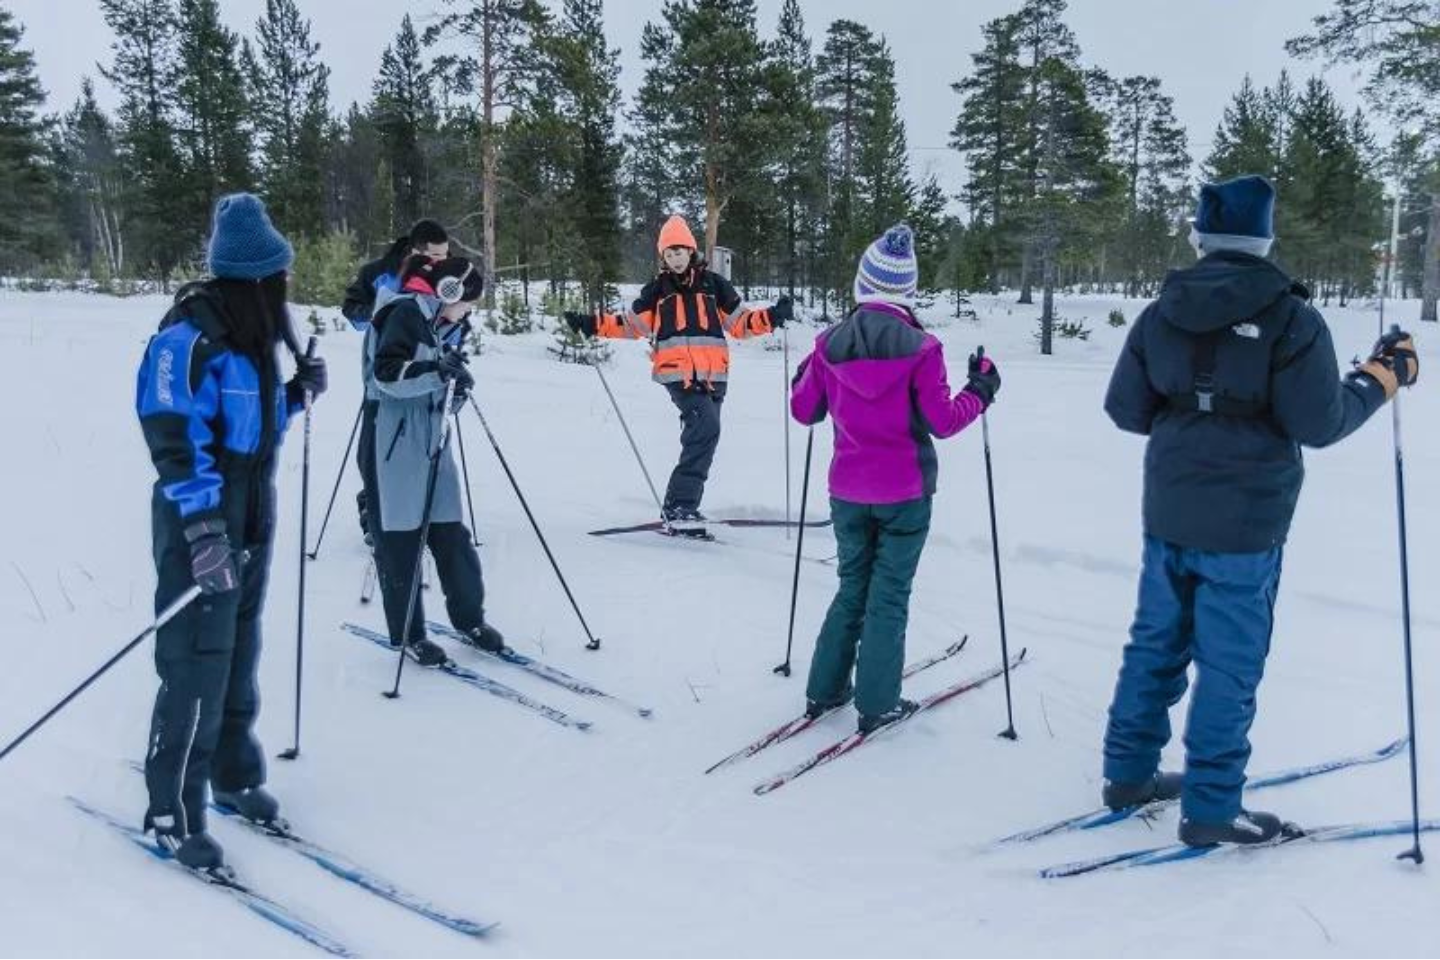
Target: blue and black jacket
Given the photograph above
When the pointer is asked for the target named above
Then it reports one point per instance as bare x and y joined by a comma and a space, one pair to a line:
376, 276
1229, 373
211, 422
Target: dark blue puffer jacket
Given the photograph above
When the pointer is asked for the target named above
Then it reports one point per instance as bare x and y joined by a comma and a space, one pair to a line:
1222, 481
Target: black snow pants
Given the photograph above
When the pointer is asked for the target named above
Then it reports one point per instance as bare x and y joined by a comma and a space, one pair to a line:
699, 436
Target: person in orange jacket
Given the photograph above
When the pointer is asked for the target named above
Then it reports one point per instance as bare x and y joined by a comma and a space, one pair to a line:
686, 313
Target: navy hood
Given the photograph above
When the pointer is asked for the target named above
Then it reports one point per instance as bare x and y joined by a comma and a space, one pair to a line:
1223, 289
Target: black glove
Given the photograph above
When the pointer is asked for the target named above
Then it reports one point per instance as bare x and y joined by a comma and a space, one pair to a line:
452, 367
1393, 363
984, 378
782, 313
310, 374
212, 562
581, 323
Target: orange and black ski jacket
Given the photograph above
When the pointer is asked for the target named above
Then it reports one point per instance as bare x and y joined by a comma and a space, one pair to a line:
686, 317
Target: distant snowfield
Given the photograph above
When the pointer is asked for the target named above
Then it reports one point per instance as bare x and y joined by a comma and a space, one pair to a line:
612, 842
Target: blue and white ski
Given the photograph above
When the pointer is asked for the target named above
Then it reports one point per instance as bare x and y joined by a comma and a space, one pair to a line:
1152, 856
343, 868
541, 670
222, 880
1105, 816
479, 681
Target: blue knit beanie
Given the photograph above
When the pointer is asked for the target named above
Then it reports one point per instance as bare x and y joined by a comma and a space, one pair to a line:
888, 272
1241, 207
244, 244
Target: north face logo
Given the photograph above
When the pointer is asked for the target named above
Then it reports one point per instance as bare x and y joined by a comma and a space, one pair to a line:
1249, 331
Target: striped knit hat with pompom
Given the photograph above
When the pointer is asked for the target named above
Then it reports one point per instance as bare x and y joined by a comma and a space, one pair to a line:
888, 272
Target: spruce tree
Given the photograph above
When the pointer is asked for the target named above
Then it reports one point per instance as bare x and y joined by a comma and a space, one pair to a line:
1244, 142
290, 103
403, 111
212, 116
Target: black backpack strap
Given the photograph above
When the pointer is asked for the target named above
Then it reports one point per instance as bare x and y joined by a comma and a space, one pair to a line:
1203, 398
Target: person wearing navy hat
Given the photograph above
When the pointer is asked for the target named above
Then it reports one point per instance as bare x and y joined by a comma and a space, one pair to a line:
1228, 373
212, 409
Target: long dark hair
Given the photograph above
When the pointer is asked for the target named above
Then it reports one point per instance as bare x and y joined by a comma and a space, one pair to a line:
259, 321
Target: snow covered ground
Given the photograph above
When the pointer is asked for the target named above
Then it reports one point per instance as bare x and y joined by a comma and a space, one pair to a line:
612, 842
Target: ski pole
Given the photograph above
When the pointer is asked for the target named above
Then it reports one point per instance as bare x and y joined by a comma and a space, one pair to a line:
162, 618
294, 752
785, 415
594, 643
1414, 853
425, 511
784, 668
339, 475
1009, 732
465, 472
628, 436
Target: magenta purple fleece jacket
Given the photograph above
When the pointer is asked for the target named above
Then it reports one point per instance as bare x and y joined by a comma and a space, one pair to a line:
882, 379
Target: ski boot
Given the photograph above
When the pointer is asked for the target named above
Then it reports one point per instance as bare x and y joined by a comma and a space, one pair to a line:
686, 522
485, 638
869, 723
1119, 794
815, 709
255, 804
1249, 827
424, 651
198, 851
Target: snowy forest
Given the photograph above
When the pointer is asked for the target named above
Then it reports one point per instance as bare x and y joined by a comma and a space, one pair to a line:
505, 119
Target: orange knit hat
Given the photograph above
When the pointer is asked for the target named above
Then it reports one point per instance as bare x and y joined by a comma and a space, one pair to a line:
675, 233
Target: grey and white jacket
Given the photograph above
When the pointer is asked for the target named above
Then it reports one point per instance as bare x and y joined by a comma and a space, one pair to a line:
402, 349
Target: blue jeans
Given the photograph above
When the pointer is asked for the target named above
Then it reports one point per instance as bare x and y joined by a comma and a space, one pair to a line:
1217, 610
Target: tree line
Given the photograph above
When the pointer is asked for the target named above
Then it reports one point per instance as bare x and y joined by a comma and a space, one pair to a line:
505, 120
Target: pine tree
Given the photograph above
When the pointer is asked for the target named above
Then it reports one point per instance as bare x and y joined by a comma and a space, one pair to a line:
704, 84
1051, 59
290, 102
404, 112
26, 184
357, 184
144, 73
212, 116
845, 92
799, 139
987, 133
501, 33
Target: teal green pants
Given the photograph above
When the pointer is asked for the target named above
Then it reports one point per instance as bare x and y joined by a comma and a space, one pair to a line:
864, 630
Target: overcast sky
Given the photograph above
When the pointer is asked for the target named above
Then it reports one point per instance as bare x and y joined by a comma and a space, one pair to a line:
1200, 49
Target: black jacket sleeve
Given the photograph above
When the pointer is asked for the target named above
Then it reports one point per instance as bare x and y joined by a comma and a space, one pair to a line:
1131, 401
404, 337
1310, 402
360, 296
